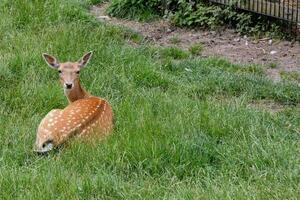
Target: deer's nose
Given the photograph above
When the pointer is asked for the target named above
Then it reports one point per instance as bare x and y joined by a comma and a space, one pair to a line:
68, 85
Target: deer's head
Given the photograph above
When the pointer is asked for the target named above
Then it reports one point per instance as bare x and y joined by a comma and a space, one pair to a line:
68, 71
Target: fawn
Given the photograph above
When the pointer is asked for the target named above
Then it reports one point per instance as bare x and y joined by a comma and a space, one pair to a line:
85, 116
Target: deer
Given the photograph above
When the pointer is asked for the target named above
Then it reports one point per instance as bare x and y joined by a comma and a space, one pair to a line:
86, 116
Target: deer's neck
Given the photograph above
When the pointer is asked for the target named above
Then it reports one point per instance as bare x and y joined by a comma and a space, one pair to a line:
76, 93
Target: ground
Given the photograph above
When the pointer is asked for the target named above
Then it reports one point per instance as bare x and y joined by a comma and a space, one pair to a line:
279, 54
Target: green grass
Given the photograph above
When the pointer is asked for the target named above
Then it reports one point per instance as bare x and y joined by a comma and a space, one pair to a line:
196, 49
182, 131
128, 10
175, 40
290, 76
172, 53
273, 65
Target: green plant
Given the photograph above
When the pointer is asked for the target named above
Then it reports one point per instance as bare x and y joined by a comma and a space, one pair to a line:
272, 65
134, 9
204, 16
175, 40
172, 52
196, 49
291, 76
133, 36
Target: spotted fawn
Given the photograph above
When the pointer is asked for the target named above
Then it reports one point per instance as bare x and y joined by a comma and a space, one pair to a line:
85, 116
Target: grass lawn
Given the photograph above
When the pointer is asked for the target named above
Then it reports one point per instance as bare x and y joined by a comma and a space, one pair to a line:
185, 127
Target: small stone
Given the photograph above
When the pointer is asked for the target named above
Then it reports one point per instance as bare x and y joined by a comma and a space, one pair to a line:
236, 39
270, 42
169, 30
104, 17
286, 44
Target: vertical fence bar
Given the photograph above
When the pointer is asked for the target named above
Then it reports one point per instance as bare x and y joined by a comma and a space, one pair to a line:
293, 7
274, 8
283, 9
297, 18
270, 9
266, 6
288, 10
279, 9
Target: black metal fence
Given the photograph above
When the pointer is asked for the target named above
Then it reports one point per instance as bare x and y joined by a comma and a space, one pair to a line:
287, 10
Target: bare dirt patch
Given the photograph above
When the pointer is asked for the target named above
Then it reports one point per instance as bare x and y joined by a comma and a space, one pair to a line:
268, 105
277, 56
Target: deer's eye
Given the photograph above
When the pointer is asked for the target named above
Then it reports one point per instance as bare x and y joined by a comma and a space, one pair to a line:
59, 71
77, 72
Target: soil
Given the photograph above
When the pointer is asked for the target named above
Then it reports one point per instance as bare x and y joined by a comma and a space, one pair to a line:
282, 55
268, 105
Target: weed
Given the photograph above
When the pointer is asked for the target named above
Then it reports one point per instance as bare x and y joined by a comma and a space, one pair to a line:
175, 40
196, 49
172, 52
290, 76
272, 65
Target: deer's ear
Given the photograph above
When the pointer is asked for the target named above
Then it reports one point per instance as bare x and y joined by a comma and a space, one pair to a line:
51, 61
85, 59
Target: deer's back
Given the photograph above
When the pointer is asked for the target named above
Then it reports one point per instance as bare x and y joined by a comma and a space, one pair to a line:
83, 117
91, 114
